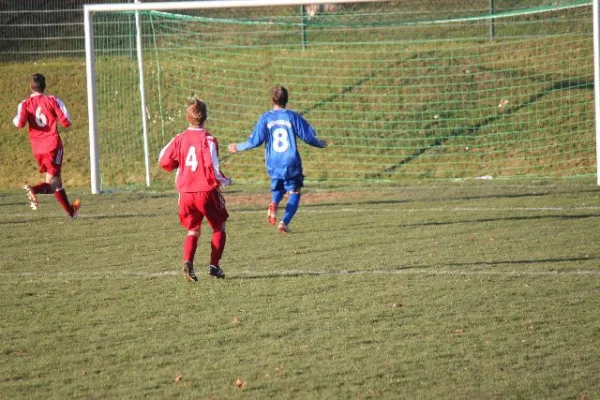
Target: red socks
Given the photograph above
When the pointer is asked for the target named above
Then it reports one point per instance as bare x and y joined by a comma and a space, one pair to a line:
189, 248
217, 246
61, 196
42, 188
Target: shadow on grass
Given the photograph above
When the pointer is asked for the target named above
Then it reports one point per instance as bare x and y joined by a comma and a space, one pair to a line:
81, 217
357, 203
435, 269
471, 130
519, 218
526, 262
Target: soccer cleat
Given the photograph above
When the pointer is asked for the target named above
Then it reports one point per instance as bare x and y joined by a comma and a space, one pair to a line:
272, 213
283, 228
33, 203
188, 270
216, 271
75, 206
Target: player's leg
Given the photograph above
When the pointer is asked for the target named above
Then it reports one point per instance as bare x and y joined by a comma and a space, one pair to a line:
53, 166
60, 193
217, 246
216, 216
190, 244
277, 194
41, 188
294, 191
191, 219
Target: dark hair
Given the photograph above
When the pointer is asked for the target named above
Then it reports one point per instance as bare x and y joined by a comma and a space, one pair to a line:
279, 96
37, 83
196, 113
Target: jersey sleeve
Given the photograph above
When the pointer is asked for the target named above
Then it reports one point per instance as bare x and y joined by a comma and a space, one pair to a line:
167, 159
258, 136
213, 147
305, 131
62, 113
21, 118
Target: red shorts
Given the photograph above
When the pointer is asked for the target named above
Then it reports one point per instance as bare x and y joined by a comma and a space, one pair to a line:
51, 162
193, 207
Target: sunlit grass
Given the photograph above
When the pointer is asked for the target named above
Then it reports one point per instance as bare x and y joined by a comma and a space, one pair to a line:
448, 290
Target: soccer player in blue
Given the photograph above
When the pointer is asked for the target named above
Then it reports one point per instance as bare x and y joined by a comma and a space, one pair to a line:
278, 128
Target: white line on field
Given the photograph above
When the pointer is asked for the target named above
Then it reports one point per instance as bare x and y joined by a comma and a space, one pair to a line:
370, 209
36, 277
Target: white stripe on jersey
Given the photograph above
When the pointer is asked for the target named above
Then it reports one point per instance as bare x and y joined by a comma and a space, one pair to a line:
63, 108
59, 156
212, 147
165, 148
18, 116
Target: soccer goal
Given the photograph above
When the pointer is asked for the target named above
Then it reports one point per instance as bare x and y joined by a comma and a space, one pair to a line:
404, 89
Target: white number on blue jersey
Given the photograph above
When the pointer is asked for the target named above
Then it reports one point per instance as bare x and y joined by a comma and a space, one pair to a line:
280, 140
191, 160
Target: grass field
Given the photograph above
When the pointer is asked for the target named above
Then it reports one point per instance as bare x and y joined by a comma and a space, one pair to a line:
471, 289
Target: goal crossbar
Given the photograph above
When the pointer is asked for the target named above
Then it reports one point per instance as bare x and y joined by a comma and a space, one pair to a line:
90, 9
445, 96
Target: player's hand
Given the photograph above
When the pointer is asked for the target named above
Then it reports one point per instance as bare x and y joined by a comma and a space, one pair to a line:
326, 143
232, 148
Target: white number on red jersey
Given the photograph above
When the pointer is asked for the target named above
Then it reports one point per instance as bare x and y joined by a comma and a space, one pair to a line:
40, 119
191, 160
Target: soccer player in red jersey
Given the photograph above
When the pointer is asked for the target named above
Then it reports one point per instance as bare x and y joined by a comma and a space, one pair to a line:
195, 155
42, 112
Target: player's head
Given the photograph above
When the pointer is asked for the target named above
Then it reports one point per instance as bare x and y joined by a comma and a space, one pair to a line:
196, 113
37, 83
279, 96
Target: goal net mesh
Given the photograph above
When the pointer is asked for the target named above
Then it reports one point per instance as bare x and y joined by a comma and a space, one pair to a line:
404, 90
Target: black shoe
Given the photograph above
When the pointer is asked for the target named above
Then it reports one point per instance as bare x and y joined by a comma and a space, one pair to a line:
216, 271
188, 270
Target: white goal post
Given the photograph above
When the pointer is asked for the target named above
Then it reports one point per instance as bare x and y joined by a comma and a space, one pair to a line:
88, 12
596, 16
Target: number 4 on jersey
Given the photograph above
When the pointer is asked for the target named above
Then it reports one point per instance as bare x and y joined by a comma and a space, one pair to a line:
191, 160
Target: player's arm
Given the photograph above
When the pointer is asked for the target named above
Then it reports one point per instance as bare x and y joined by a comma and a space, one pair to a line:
213, 147
21, 118
258, 137
62, 113
167, 159
306, 132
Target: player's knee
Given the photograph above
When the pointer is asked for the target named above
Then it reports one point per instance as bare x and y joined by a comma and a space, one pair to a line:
194, 233
55, 182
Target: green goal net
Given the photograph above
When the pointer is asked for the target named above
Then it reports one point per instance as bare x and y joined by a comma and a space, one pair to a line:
404, 89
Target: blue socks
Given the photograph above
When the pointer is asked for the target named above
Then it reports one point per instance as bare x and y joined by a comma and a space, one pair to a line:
291, 207
277, 196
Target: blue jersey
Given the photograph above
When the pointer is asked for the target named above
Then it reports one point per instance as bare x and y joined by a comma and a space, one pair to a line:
278, 129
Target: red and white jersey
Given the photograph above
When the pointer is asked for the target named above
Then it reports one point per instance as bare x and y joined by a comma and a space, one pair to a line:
42, 112
195, 155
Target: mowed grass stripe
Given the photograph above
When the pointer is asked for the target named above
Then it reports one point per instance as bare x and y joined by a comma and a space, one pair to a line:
469, 295
37, 278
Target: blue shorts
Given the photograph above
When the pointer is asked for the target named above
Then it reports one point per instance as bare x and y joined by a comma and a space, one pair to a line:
288, 184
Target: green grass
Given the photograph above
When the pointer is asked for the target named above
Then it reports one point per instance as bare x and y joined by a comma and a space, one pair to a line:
473, 289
